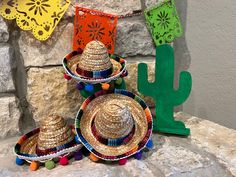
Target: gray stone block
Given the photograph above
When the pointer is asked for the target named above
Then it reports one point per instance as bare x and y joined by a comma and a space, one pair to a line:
119, 7
4, 35
50, 52
151, 3
9, 116
6, 65
133, 38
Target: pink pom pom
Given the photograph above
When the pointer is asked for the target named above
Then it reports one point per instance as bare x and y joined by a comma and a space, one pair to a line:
122, 161
64, 161
67, 77
124, 74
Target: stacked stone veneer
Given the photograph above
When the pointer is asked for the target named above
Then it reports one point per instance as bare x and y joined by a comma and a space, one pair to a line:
32, 84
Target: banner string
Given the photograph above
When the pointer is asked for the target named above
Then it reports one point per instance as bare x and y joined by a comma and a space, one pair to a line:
134, 13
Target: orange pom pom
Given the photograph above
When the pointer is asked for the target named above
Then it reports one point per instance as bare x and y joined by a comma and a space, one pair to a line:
34, 166
105, 86
122, 60
93, 157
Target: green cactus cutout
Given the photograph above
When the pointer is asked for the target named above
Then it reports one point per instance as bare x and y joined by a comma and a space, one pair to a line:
163, 22
163, 92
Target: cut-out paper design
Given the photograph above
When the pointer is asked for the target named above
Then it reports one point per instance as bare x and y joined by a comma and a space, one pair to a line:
163, 22
40, 16
92, 25
163, 92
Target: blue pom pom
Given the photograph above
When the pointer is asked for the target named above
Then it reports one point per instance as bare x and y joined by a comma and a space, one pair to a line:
149, 145
77, 140
19, 161
138, 155
89, 88
80, 86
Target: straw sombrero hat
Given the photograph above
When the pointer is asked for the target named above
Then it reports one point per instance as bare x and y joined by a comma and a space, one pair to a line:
114, 125
53, 139
94, 64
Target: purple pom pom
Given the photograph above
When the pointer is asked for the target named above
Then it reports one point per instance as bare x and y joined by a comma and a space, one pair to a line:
138, 155
80, 86
78, 155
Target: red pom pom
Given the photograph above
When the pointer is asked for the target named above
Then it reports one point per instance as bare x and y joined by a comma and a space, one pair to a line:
67, 77
122, 161
64, 161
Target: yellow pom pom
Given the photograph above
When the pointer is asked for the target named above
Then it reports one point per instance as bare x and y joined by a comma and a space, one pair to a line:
93, 157
34, 166
105, 86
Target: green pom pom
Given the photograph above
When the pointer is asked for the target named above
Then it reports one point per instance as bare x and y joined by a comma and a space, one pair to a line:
50, 164
119, 81
108, 162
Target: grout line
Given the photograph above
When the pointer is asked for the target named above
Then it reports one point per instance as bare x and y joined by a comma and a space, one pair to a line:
45, 66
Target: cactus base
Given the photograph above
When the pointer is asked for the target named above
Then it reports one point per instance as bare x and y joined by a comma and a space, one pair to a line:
171, 127
174, 130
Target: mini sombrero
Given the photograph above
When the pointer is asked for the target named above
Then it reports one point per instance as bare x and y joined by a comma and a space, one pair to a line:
114, 125
54, 139
94, 64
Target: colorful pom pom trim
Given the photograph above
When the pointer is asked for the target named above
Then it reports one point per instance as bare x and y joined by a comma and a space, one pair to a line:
140, 146
93, 80
54, 152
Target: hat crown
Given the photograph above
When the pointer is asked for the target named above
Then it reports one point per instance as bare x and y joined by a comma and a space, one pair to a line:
114, 121
95, 57
53, 132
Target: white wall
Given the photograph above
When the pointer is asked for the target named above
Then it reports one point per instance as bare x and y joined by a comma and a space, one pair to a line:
209, 49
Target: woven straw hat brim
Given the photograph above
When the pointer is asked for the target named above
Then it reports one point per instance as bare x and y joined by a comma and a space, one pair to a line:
140, 113
26, 148
72, 58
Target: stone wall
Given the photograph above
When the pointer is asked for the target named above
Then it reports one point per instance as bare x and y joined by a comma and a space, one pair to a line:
32, 83
10, 113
